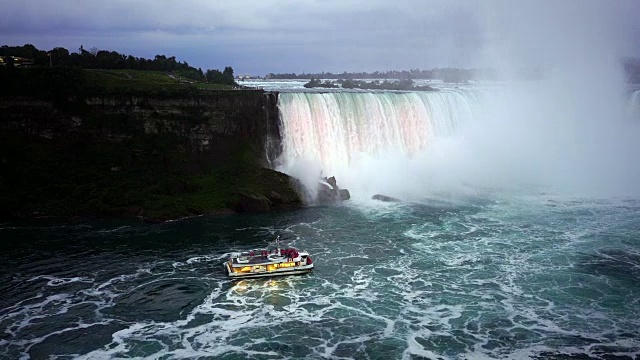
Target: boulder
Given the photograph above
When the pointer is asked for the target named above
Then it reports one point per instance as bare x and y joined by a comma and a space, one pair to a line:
344, 194
384, 198
327, 194
330, 193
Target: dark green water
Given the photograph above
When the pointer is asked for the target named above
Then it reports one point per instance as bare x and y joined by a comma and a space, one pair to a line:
478, 277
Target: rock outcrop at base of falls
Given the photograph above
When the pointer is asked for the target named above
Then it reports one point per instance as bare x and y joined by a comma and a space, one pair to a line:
329, 192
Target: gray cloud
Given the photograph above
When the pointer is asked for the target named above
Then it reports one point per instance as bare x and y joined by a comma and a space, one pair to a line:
260, 36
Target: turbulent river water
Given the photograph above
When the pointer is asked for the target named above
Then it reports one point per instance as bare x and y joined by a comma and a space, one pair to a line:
484, 276
483, 258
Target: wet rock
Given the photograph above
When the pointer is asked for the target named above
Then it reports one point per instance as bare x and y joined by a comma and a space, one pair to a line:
384, 198
329, 192
332, 181
344, 194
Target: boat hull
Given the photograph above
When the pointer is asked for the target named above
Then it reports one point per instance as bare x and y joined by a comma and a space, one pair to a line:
294, 271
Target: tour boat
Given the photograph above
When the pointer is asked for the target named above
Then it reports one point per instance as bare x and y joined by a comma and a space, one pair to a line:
265, 262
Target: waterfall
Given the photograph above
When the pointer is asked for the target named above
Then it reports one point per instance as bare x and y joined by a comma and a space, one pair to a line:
411, 144
331, 129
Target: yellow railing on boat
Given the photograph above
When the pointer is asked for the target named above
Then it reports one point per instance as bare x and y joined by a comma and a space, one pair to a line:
269, 267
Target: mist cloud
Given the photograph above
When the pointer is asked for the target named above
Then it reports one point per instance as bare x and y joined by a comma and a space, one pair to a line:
570, 131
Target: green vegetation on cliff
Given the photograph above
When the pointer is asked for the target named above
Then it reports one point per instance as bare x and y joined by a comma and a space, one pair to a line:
51, 83
28, 55
113, 82
26, 70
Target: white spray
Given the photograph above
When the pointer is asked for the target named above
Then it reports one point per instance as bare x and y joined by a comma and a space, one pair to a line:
569, 132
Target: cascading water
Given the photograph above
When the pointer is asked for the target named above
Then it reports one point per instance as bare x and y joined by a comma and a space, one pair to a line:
332, 132
414, 145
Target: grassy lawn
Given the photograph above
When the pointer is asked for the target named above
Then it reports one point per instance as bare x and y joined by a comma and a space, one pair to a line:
206, 86
61, 83
141, 81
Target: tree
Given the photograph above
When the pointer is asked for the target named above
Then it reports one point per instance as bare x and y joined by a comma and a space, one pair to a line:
228, 71
60, 57
110, 60
131, 62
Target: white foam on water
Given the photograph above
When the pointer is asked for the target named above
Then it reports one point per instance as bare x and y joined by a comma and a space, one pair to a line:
115, 230
201, 259
56, 281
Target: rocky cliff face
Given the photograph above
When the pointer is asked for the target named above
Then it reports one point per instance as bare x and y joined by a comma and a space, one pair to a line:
165, 157
212, 123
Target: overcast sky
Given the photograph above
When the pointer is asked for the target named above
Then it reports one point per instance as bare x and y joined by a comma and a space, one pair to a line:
262, 36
